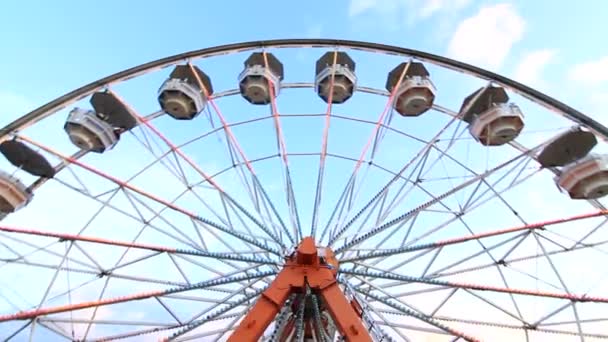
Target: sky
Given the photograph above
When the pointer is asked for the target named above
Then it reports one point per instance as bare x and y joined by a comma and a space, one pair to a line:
83, 42
52, 49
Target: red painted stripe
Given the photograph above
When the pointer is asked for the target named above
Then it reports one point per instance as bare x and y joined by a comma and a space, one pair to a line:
538, 225
79, 306
223, 120
72, 237
328, 111
275, 113
108, 177
387, 107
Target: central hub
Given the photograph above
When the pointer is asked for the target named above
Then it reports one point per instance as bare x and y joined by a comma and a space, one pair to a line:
308, 254
310, 273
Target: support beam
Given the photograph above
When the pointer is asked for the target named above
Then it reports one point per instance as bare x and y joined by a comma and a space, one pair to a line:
310, 267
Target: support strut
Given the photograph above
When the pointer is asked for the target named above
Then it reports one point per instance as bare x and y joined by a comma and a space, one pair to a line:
311, 267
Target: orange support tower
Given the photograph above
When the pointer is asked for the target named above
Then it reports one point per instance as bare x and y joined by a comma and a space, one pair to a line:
304, 267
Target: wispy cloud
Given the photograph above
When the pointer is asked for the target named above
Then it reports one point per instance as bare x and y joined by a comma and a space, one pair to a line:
532, 65
398, 13
591, 72
487, 37
314, 31
431, 7
358, 7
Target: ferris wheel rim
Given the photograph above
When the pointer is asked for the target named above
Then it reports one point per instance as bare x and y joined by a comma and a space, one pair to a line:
445, 62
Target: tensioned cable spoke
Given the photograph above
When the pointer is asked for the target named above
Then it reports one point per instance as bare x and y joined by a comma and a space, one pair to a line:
97, 274
143, 295
408, 279
457, 216
514, 260
428, 251
352, 180
426, 149
206, 177
235, 144
181, 176
45, 249
71, 237
410, 213
419, 169
183, 324
153, 226
407, 165
532, 226
532, 327
195, 324
291, 198
123, 184
323, 155
151, 330
418, 315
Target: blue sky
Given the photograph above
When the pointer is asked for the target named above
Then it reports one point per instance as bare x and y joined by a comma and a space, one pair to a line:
49, 50
52, 49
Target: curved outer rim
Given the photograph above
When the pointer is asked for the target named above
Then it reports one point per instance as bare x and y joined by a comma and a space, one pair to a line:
517, 87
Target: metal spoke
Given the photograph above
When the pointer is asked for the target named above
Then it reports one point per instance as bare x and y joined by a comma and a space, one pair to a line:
194, 324
324, 142
411, 213
172, 206
366, 147
233, 142
528, 227
176, 150
421, 317
282, 147
139, 296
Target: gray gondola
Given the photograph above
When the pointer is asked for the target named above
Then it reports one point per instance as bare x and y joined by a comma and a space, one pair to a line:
343, 73
13, 193
493, 121
567, 147
258, 74
99, 130
416, 93
25, 158
89, 132
586, 178
185, 93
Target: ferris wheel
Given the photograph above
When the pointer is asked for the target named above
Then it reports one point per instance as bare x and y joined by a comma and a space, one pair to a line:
304, 190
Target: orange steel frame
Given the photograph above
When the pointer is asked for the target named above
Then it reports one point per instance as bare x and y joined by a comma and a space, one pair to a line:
302, 269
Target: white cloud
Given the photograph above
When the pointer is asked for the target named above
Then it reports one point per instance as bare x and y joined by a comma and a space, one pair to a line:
314, 31
487, 37
399, 12
592, 72
530, 68
357, 7
431, 7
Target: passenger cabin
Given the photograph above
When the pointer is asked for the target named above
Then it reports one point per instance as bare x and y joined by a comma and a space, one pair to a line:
586, 178
415, 94
335, 71
493, 121
185, 93
99, 130
13, 193
260, 72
